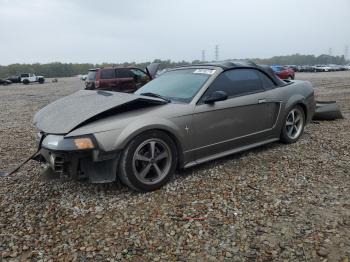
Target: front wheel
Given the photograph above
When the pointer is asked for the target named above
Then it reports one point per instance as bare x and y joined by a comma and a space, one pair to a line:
148, 162
293, 126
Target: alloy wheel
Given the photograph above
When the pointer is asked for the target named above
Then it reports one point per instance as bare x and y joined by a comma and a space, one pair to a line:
152, 161
294, 123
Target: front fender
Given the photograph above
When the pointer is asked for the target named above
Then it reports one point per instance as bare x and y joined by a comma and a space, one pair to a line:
117, 139
138, 127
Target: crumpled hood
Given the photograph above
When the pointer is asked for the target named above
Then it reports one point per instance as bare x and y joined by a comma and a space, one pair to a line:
67, 113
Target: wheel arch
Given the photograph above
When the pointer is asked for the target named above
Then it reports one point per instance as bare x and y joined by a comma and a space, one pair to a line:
179, 149
292, 102
297, 100
304, 107
172, 131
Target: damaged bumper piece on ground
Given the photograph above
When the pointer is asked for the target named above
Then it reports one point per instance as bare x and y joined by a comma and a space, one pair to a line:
327, 110
78, 158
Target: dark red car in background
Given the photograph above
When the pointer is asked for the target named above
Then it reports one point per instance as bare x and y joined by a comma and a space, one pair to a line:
119, 79
283, 72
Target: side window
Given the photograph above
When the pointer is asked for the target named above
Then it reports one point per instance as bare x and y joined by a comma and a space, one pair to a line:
107, 74
123, 73
236, 82
266, 81
139, 76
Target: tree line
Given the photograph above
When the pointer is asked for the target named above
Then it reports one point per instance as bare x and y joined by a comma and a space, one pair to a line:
298, 59
58, 69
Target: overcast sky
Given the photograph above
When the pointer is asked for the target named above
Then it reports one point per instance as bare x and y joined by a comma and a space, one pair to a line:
118, 31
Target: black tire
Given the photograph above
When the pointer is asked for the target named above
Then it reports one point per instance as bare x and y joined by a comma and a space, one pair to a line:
41, 80
132, 168
288, 137
25, 81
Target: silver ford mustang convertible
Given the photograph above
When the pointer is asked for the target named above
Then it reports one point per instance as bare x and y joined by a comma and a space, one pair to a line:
185, 117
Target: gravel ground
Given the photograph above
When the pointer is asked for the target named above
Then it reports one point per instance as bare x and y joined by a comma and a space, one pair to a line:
278, 202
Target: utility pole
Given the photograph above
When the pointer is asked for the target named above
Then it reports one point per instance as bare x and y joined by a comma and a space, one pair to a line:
216, 53
346, 52
203, 55
330, 55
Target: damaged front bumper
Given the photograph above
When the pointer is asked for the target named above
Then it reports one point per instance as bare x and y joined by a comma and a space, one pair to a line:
78, 158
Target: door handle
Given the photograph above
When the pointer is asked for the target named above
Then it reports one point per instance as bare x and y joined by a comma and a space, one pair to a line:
261, 101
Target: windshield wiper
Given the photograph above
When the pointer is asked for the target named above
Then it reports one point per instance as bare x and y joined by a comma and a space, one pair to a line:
156, 95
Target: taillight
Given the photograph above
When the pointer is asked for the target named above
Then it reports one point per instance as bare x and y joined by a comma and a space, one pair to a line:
97, 84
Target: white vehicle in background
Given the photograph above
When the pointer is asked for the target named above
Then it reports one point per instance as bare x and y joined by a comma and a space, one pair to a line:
322, 68
335, 67
28, 78
83, 77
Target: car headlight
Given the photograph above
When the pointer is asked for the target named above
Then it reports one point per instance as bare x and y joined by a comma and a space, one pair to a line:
83, 143
60, 143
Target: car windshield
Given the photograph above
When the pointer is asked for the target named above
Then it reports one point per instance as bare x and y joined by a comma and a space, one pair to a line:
178, 85
91, 75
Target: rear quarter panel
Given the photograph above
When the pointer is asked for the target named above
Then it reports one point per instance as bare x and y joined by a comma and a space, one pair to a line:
298, 92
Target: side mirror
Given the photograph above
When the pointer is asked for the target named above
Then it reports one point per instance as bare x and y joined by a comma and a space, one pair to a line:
216, 96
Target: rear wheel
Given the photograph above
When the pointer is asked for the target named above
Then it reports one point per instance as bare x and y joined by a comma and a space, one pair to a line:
293, 126
26, 81
41, 80
148, 162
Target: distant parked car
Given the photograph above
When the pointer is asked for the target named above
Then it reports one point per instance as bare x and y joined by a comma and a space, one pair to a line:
294, 67
322, 68
337, 67
5, 82
306, 68
83, 77
14, 79
28, 78
126, 80
283, 72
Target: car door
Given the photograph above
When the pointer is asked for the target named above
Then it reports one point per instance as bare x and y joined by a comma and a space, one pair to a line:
32, 77
126, 81
244, 118
152, 70
107, 79
140, 77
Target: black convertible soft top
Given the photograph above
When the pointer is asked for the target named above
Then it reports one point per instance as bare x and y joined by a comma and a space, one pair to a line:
227, 65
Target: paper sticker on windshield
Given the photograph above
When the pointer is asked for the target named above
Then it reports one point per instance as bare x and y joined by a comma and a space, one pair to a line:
204, 71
